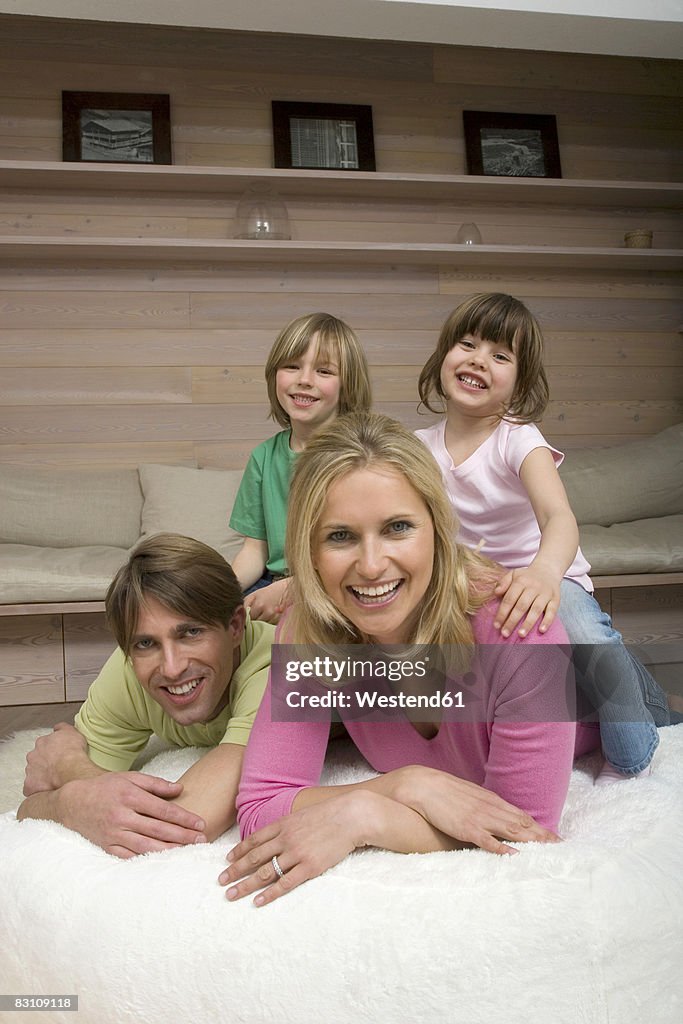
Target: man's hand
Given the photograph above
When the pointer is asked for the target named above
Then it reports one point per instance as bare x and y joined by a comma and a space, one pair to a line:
48, 759
127, 813
268, 603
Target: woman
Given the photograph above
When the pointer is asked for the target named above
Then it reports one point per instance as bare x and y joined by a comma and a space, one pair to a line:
370, 542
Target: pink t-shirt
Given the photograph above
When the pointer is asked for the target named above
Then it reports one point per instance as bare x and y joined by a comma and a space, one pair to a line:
491, 501
524, 761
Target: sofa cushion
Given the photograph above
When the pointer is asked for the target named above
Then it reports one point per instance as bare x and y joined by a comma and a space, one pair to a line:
194, 502
649, 545
38, 574
65, 508
637, 480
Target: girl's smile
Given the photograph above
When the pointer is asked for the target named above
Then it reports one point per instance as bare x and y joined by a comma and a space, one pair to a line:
374, 552
479, 375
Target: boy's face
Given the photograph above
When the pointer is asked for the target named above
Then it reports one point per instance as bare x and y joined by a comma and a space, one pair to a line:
185, 666
308, 388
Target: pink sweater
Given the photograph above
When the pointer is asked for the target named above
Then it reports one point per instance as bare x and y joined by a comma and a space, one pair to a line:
524, 761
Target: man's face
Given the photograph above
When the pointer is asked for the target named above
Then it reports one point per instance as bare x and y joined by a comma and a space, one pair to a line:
185, 666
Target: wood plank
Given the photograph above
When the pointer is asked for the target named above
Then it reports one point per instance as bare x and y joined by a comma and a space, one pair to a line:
637, 383
651, 615
131, 423
229, 250
550, 71
81, 309
217, 278
87, 645
32, 665
417, 312
77, 386
52, 608
637, 419
613, 348
97, 456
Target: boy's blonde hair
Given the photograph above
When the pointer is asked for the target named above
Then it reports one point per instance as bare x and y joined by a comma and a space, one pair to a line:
461, 581
504, 320
336, 342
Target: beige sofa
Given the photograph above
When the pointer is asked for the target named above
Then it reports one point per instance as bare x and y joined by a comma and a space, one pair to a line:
64, 533
628, 501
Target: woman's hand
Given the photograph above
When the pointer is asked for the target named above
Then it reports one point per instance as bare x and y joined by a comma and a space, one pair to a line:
532, 592
306, 843
465, 811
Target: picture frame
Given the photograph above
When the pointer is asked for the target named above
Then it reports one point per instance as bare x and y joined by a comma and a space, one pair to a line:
116, 127
512, 145
323, 136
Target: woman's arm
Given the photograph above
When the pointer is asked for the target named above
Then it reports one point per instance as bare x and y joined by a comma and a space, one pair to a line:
331, 822
533, 592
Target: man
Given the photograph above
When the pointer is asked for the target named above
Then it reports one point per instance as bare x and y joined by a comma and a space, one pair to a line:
191, 668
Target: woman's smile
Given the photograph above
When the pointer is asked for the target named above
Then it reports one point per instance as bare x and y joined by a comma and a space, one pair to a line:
374, 551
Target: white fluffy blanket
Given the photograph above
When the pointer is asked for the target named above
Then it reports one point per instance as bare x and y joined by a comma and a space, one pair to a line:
586, 932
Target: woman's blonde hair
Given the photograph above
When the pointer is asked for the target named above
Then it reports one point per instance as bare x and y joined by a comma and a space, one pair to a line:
336, 342
461, 580
506, 321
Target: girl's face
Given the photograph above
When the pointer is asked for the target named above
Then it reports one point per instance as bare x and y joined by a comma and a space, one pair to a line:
479, 376
373, 550
307, 388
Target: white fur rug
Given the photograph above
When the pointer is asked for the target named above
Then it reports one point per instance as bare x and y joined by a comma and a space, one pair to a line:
586, 932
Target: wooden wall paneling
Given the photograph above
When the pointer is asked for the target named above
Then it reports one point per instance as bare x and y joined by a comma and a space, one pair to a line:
85, 309
77, 386
31, 661
636, 383
94, 456
553, 71
613, 348
625, 419
651, 620
57, 424
87, 645
554, 283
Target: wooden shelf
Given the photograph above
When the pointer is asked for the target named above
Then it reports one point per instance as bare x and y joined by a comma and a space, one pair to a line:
78, 178
40, 248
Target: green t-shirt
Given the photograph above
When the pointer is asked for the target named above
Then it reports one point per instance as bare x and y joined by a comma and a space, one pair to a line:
260, 509
119, 716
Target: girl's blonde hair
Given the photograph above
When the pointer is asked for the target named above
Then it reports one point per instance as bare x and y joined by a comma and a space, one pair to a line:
336, 342
461, 580
504, 320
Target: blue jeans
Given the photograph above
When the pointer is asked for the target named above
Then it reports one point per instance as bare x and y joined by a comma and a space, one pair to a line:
629, 702
263, 581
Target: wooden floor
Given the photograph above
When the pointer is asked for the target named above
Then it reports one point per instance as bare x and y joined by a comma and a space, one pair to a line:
34, 716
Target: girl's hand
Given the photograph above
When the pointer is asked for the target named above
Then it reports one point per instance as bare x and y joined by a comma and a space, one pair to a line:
306, 843
268, 603
467, 812
526, 595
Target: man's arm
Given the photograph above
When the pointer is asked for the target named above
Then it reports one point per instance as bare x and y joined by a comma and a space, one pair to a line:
126, 813
210, 788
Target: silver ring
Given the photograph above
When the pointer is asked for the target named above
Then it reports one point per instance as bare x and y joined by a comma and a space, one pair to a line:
278, 870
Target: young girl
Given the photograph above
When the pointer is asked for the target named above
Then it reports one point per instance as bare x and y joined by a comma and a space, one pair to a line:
316, 369
501, 475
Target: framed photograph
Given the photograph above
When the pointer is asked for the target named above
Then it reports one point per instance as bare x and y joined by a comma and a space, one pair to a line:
512, 145
116, 127
323, 136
